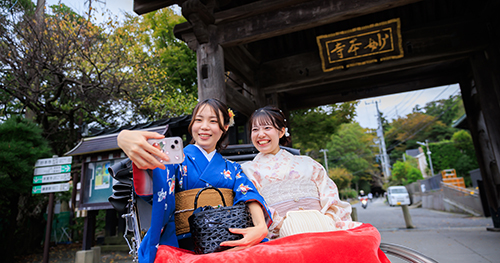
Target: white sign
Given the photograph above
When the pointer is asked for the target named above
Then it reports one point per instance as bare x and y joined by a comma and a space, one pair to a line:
51, 178
50, 188
54, 161
53, 169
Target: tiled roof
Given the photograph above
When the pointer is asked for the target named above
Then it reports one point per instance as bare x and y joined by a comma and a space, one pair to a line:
105, 140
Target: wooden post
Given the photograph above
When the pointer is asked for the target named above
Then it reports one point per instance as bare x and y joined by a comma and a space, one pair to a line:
407, 216
48, 229
354, 214
481, 101
89, 229
211, 84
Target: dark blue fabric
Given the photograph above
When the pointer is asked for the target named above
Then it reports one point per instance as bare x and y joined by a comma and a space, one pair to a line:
194, 172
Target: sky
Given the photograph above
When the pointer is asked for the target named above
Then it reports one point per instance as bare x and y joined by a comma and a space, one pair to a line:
116, 7
399, 104
391, 106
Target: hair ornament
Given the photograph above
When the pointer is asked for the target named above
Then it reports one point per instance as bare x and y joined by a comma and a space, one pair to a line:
286, 132
231, 117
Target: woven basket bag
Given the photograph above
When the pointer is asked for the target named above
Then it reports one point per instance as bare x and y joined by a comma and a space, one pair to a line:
210, 226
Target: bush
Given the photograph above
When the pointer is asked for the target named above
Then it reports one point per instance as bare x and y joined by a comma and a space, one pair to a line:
348, 193
404, 173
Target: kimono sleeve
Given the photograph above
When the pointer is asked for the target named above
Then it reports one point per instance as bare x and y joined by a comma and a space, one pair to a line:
245, 190
330, 200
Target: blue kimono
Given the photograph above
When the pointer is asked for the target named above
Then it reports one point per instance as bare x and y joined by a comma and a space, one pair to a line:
195, 172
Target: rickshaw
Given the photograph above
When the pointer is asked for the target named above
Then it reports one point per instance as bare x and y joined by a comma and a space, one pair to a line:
137, 212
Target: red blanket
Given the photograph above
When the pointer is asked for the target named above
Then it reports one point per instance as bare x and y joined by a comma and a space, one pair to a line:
360, 244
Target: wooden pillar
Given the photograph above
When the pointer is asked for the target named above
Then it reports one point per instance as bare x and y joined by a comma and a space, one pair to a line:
89, 229
211, 80
481, 100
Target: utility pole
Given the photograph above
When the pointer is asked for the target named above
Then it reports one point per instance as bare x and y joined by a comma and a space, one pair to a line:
426, 144
380, 134
326, 161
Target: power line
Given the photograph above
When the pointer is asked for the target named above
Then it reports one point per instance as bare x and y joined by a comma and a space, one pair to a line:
423, 127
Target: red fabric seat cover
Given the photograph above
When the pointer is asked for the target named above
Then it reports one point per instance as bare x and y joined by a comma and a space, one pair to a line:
359, 244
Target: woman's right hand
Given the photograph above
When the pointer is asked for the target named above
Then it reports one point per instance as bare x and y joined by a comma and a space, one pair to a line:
136, 147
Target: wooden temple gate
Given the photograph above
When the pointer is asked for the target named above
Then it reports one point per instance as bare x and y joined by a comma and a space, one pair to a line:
298, 53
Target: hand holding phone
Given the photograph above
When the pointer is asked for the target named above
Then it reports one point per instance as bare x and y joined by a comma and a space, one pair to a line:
172, 147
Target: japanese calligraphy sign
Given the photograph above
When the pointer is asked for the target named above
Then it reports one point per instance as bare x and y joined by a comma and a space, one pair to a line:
360, 46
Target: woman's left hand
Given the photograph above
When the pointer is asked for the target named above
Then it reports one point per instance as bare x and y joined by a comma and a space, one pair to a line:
251, 235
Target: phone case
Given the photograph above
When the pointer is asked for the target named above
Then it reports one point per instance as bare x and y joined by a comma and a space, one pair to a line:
172, 147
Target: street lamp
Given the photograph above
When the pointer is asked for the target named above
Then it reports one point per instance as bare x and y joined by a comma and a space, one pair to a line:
326, 162
428, 153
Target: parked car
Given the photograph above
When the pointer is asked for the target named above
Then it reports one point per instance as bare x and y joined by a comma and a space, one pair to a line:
398, 195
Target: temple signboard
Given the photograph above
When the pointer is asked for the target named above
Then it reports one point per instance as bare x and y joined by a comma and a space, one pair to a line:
361, 45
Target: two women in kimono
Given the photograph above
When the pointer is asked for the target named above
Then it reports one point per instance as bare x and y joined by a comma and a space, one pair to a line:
203, 166
287, 182
292, 183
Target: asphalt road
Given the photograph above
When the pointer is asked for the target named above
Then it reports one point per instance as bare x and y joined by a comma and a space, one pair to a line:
386, 218
443, 236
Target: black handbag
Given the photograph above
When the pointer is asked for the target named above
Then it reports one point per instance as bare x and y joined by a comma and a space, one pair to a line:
209, 226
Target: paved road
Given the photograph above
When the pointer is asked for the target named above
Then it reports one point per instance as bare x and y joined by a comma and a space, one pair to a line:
445, 237
386, 218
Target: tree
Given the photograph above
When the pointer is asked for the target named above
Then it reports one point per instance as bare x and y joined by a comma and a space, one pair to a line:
351, 149
65, 70
457, 154
312, 128
341, 176
405, 132
446, 110
404, 173
164, 67
22, 214
407, 128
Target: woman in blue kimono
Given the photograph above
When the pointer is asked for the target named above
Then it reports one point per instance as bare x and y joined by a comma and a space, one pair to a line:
203, 166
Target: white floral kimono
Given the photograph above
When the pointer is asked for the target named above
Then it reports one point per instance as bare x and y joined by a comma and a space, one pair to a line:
293, 183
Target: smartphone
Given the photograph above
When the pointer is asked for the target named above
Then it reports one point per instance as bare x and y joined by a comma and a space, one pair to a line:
172, 147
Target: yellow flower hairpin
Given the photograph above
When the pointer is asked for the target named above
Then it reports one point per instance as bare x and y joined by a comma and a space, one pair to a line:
231, 117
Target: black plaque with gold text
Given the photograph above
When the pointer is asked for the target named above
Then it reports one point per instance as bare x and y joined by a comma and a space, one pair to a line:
361, 46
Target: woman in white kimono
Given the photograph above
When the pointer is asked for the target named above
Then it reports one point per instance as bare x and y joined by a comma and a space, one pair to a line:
292, 183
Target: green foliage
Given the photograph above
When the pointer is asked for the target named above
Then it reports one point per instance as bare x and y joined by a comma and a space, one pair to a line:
348, 193
77, 228
62, 71
312, 128
430, 123
444, 155
457, 154
341, 176
404, 173
446, 110
21, 145
14, 7
164, 68
350, 149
